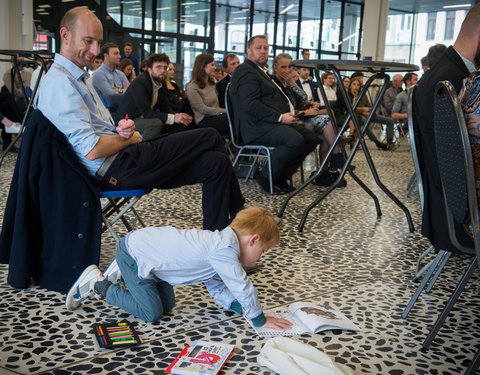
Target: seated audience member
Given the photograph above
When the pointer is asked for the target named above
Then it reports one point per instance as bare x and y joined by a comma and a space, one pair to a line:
202, 94
116, 155
434, 52
108, 80
470, 102
363, 110
175, 96
97, 62
13, 84
400, 106
340, 108
12, 114
146, 101
153, 260
126, 67
392, 92
328, 81
127, 54
229, 63
314, 126
219, 74
263, 115
143, 66
455, 64
306, 56
424, 63
360, 76
307, 85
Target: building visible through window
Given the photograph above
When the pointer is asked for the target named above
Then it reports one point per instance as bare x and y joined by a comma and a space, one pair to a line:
431, 25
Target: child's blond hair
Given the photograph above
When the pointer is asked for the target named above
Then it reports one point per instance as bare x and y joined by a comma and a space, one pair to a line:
256, 220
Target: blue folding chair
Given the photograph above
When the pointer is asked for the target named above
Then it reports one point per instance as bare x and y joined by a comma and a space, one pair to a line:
119, 202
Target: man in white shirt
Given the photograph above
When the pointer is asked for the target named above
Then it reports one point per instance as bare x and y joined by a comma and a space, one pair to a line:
108, 80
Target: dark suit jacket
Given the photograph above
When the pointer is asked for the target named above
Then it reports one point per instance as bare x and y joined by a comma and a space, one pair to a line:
450, 67
313, 87
221, 88
137, 100
52, 223
257, 101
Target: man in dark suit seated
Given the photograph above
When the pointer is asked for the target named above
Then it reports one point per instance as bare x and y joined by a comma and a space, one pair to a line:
264, 115
454, 65
229, 63
146, 101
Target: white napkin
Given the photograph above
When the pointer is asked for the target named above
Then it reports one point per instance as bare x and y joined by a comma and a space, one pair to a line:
286, 356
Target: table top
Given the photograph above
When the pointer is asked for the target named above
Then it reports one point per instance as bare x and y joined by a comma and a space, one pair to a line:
25, 53
354, 65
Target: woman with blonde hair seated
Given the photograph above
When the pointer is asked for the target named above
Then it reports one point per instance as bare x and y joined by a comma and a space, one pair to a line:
202, 95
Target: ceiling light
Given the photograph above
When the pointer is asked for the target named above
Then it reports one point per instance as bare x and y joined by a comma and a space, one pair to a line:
191, 3
166, 8
287, 9
202, 10
45, 6
455, 6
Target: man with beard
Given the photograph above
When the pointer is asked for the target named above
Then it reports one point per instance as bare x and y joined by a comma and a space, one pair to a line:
146, 101
455, 64
116, 155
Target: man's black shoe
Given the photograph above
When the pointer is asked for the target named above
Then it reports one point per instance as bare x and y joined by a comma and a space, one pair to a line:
263, 182
284, 186
327, 178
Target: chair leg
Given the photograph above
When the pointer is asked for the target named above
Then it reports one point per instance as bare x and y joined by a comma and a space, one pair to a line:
424, 254
411, 184
439, 269
419, 289
474, 365
448, 307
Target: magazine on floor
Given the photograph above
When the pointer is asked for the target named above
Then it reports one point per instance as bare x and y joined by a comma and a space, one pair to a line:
203, 357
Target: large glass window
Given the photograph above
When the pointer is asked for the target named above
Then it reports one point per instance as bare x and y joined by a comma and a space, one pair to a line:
113, 10
431, 25
132, 14
449, 25
195, 17
287, 23
310, 26
231, 26
408, 41
264, 19
351, 31
331, 25
167, 16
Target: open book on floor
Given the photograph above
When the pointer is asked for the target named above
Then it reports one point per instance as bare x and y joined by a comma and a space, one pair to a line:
307, 318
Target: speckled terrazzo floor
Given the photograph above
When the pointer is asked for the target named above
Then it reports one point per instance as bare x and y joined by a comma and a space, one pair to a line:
345, 255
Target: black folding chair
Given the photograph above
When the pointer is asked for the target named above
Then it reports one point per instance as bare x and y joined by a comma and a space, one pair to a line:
245, 153
438, 263
455, 164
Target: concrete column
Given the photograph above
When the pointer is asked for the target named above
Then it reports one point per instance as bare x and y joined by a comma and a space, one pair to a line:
374, 28
16, 27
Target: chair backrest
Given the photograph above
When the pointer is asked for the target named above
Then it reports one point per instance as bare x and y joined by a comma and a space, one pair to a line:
413, 132
234, 133
455, 163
